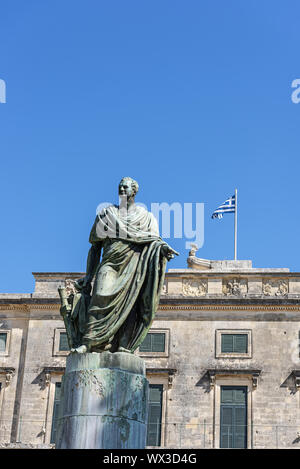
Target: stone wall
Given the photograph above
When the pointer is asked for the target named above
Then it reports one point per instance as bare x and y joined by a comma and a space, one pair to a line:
192, 399
194, 305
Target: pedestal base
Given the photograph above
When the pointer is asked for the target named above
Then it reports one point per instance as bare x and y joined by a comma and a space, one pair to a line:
103, 402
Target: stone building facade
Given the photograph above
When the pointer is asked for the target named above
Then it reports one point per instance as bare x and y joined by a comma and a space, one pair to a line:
222, 359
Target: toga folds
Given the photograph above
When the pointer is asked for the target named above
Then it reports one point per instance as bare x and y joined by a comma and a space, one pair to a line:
128, 281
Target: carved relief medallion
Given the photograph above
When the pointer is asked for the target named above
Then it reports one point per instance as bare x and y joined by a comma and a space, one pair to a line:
192, 287
235, 287
275, 287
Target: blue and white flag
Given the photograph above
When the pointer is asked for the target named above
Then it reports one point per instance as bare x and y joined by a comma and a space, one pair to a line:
227, 207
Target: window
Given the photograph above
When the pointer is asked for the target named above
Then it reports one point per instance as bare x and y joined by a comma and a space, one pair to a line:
52, 378
153, 343
1, 396
233, 395
233, 417
55, 411
233, 343
63, 342
156, 343
4, 342
154, 415
60, 345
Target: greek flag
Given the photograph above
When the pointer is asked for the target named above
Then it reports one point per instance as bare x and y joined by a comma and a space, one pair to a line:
227, 207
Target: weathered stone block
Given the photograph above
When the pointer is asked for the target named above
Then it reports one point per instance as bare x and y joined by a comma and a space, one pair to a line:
175, 286
255, 286
294, 285
215, 286
103, 403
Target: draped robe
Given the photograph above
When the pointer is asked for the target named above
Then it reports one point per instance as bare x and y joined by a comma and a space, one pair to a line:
128, 280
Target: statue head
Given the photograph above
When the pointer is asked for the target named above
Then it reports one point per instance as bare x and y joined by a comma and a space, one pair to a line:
128, 187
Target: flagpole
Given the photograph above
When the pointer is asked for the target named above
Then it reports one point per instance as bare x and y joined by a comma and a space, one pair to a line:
235, 227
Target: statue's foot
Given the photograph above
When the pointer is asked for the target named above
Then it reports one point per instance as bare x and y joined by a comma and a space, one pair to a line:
122, 349
81, 349
107, 347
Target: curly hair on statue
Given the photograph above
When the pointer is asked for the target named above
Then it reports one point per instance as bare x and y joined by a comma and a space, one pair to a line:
134, 183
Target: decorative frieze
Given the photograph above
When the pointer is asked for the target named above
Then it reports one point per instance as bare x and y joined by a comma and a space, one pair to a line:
235, 287
194, 287
275, 287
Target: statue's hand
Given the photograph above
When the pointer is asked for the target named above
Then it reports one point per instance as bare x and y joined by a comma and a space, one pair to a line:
84, 282
168, 252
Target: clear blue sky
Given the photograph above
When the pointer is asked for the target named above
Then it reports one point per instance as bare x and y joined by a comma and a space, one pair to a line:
191, 98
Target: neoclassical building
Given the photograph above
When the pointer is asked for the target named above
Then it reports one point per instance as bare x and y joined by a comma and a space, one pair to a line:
222, 359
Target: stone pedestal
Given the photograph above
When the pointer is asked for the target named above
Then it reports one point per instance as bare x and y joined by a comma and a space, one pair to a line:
103, 402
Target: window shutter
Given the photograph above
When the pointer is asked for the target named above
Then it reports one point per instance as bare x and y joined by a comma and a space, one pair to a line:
63, 342
226, 395
241, 343
240, 417
227, 343
226, 427
55, 411
3, 339
240, 396
158, 342
146, 344
154, 415
233, 430
234, 343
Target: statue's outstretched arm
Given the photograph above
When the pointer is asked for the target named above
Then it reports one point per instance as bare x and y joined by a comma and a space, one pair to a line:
168, 252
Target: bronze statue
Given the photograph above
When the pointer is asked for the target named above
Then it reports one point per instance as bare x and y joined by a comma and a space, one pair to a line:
128, 280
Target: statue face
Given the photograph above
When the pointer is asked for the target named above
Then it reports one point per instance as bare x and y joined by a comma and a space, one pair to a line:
126, 189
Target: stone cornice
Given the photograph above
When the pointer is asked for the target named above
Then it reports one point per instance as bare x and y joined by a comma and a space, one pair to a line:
181, 301
186, 273
27, 308
171, 304
47, 371
57, 274
169, 301
230, 307
231, 273
29, 301
213, 373
168, 371
231, 371
54, 369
